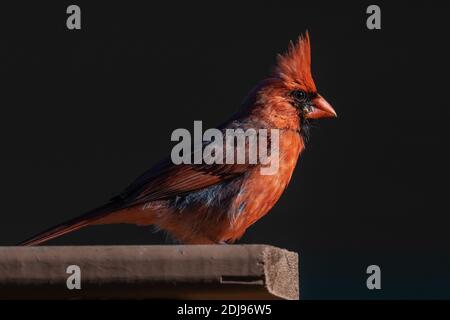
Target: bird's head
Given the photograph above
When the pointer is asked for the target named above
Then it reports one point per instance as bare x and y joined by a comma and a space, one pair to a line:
289, 97
297, 85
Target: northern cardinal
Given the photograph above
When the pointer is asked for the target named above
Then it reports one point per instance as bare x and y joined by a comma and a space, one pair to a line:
216, 203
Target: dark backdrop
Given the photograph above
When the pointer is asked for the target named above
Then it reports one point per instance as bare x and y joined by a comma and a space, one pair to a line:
84, 112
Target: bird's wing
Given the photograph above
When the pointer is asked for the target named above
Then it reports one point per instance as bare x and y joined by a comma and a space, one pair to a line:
168, 180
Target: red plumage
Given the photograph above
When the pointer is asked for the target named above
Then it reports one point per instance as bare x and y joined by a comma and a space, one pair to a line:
217, 203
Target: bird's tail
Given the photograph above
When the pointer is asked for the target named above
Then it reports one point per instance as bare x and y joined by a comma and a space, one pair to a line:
71, 225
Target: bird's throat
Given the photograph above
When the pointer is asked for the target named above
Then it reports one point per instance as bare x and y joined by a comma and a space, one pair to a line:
305, 129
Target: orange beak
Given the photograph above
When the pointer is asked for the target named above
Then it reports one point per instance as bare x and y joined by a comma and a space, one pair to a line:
321, 109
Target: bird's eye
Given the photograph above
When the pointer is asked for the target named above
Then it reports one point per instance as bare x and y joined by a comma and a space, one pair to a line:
299, 95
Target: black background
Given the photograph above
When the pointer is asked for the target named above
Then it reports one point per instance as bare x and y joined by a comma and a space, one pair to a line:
84, 112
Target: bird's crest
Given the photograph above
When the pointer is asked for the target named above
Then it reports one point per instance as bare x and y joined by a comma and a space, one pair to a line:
294, 67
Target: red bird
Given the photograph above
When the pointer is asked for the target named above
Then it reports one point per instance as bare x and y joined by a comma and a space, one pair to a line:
216, 203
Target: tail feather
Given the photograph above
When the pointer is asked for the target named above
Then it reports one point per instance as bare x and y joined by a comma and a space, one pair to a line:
71, 225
